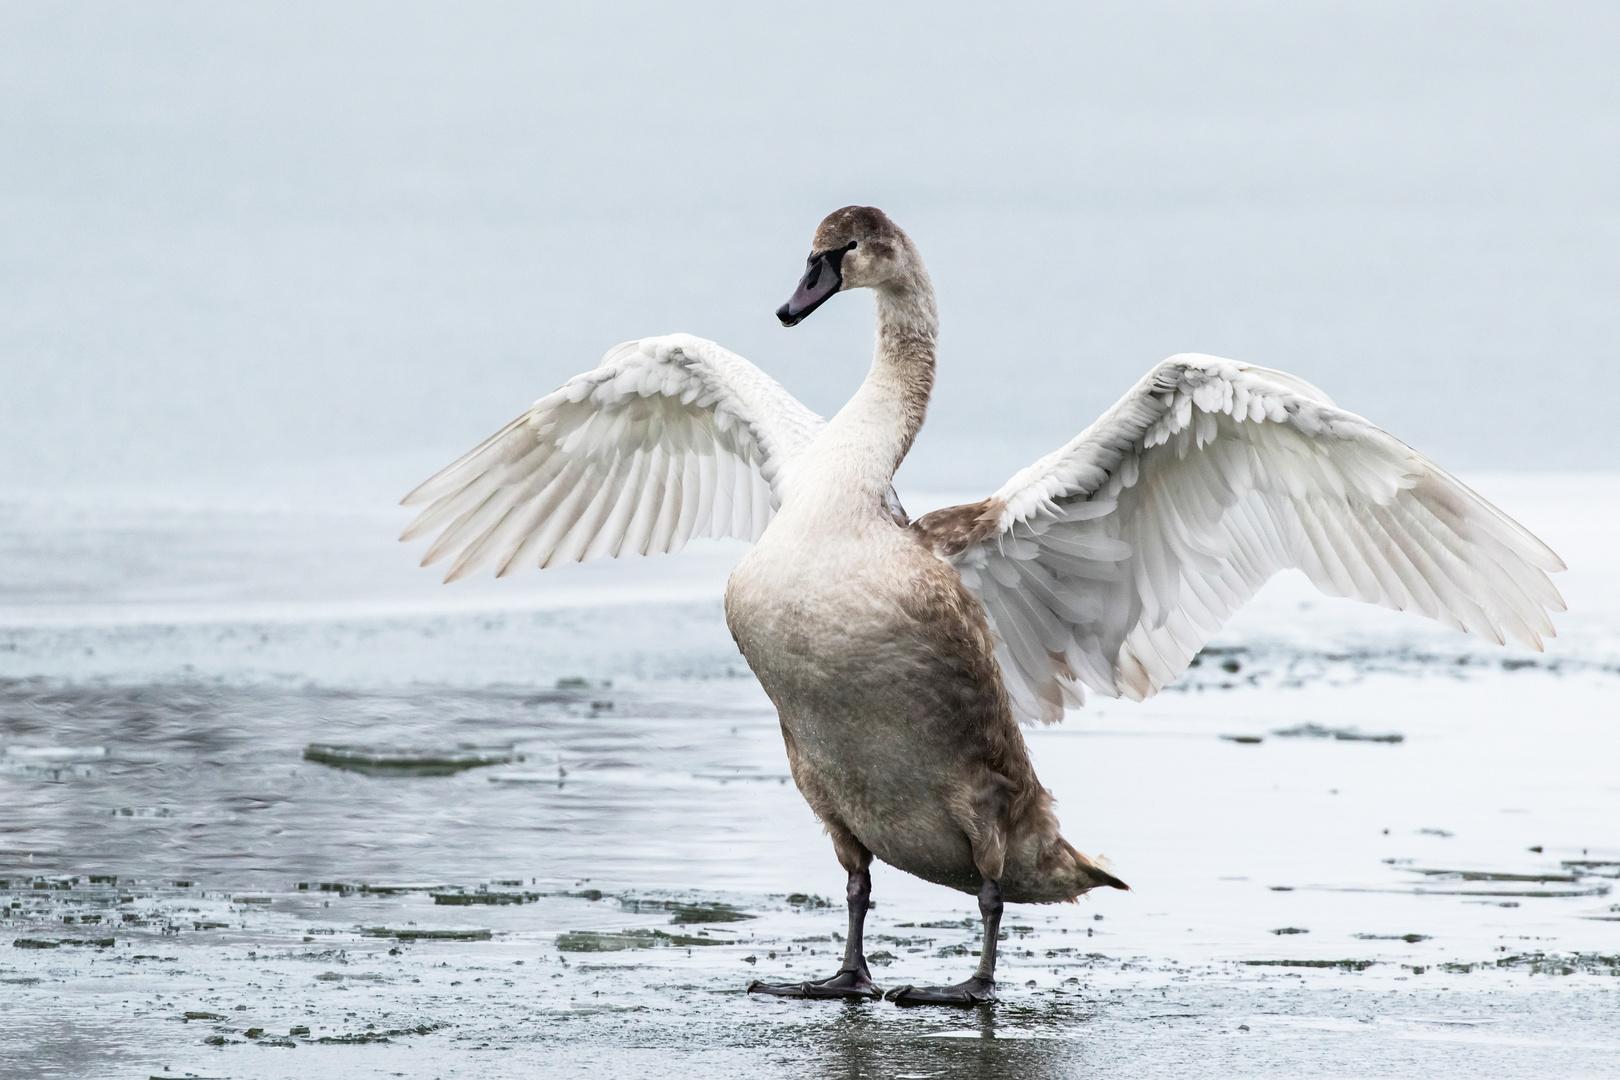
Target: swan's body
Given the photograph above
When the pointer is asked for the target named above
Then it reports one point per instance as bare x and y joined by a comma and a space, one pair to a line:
898, 730
901, 655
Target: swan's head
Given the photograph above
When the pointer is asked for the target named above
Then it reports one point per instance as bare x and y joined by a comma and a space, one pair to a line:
857, 247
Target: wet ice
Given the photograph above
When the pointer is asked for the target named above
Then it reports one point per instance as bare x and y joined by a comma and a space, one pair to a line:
600, 900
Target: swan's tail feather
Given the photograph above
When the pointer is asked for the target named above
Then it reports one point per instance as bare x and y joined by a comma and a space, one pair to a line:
1057, 873
1090, 872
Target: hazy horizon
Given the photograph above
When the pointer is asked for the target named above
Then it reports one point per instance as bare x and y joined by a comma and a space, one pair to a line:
247, 244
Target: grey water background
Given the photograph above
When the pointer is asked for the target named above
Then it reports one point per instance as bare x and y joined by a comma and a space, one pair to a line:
249, 244
263, 267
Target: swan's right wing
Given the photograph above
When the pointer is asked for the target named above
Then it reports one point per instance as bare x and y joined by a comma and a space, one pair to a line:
669, 438
1110, 562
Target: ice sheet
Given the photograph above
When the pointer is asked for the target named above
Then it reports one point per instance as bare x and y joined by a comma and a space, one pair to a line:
155, 723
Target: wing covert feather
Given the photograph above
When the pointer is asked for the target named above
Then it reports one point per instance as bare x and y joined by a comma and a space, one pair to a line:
1110, 562
669, 438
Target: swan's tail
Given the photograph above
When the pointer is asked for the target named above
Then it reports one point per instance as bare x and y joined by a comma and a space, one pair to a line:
1056, 873
1085, 872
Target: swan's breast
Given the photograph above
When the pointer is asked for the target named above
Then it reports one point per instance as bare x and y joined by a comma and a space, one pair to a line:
855, 633
803, 606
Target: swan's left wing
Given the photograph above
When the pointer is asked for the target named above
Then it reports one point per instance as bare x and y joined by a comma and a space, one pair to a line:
669, 438
1110, 562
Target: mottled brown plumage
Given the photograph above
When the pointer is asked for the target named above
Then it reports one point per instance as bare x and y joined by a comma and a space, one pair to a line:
954, 529
881, 664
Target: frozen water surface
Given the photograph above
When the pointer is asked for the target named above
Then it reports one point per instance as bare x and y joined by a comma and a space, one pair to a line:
595, 901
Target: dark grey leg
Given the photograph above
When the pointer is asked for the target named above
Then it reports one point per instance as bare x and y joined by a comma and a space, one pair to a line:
853, 979
982, 986
990, 911
858, 893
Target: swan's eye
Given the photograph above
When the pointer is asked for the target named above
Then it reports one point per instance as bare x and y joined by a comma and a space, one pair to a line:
852, 245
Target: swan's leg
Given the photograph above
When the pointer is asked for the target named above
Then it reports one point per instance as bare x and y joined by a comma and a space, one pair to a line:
982, 986
853, 979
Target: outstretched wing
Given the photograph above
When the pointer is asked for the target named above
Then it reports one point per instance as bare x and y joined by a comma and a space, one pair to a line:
670, 438
1109, 563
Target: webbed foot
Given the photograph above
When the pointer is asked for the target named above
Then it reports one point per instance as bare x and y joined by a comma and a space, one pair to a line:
975, 991
845, 984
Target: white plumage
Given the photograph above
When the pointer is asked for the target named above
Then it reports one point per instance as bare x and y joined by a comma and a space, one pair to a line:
669, 438
1118, 556
1115, 558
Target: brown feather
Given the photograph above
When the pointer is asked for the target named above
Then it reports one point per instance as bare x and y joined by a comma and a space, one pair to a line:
954, 529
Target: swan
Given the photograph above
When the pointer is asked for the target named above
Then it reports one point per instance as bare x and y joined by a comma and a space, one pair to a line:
902, 655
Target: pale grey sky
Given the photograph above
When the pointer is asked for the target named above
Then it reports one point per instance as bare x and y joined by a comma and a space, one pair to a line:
244, 240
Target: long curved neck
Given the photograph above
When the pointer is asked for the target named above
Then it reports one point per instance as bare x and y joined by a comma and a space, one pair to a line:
902, 374
855, 458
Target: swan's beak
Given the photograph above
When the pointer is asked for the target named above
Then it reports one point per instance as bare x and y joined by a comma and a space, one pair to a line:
821, 279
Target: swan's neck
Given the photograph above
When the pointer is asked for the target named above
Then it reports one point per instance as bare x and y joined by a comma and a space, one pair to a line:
902, 376
855, 458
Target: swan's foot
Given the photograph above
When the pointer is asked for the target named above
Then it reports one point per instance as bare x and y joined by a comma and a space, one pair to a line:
845, 984
975, 991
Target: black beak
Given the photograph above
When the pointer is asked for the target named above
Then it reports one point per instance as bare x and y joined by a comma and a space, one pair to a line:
822, 278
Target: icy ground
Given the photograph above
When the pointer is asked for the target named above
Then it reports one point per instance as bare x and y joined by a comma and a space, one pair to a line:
1316, 898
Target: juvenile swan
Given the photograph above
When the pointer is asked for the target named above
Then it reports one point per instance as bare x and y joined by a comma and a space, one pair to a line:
901, 655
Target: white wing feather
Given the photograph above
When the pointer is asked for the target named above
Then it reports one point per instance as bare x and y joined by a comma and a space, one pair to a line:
1111, 562
669, 438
